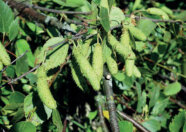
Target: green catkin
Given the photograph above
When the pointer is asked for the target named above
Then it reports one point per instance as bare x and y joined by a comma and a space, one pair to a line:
77, 76
125, 38
1, 65
85, 47
86, 69
136, 72
97, 63
137, 33
43, 89
112, 65
4, 57
119, 48
129, 66
57, 58
159, 12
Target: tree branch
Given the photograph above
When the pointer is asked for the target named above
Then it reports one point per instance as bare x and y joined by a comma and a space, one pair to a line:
134, 122
59, 11
107, 83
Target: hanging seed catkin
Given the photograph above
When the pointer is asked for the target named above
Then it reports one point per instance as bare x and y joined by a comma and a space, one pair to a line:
77, 76
86, 69
97, 63
137, 33
112, 65
43, 89
4, 57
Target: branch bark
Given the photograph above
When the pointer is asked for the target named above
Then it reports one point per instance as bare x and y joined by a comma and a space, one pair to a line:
107, 83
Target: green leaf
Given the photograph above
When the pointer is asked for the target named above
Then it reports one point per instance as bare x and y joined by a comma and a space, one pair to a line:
92, 115
17, 97
57, 120
34, 109
32, 77
178, 122
70, 3
104, 15
152, 125
172, 89
13, 29
18, 115
10, 71
120, 76
146, 26
23, 126
125, 126
116, 16
154, 94
160, 106
21, 47
6, 17
34, 28
141, 98
21, 65
167, 36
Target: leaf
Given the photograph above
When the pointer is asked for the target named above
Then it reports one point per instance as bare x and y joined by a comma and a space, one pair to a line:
6, 17
10, 71
18, 115
106, 114
55, 57
21, 47
35, 110
125, 126
92, 115
160, 106
70, 3
116, 16
154, 94
104, 15
146, 26
57, 120
141, 98
172, 89
120, 76
152, 125
34, 28
13, 29
16, 97
23, 126
177, 122
21, 65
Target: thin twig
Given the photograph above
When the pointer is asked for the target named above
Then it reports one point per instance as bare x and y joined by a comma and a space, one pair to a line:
155, 20
23, 75
134, 122
101, 117
56, 74
59, 11
177, 102
14, 60
125, 104
164, 67
107, 83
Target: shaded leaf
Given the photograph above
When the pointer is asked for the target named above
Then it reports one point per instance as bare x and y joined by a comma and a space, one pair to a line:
23, 126
57, 120
6, 17
172, 89
13, 29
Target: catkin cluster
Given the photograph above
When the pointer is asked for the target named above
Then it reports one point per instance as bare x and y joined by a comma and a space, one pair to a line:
50, 60
124, 49
4, 57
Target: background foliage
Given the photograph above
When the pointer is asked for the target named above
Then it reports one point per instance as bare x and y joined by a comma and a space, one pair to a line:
156, 99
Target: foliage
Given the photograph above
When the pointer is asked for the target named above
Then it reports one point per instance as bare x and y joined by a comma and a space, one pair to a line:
52, 75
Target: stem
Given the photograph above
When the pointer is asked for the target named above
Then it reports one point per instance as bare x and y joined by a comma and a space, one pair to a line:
107, 83
134, 122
